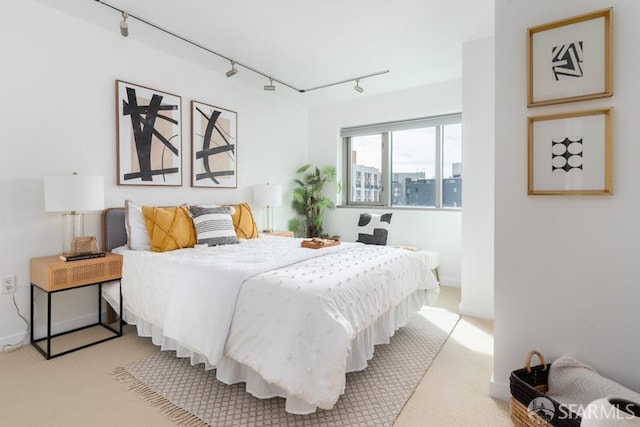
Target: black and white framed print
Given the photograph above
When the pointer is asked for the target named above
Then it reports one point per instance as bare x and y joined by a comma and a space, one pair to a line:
571, 153
214, 146
149, 141
571, 59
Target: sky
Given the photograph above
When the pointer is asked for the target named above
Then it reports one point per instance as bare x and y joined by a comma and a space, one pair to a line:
413, 150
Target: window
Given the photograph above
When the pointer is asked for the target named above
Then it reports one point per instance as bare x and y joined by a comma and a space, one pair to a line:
415, 163
452, 166
366, 162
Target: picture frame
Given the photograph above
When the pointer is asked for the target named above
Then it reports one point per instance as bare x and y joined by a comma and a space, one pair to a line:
149, 137
214, 143
571, 153
570, 59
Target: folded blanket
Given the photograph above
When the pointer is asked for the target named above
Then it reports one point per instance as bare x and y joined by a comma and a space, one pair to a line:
572, 382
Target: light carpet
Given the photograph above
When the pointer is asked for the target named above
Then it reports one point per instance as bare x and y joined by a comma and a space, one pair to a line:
190, 396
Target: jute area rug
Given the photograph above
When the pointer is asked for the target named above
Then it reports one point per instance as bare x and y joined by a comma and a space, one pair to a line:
190, 396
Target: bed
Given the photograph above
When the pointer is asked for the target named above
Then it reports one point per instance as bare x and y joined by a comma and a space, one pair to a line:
287, 321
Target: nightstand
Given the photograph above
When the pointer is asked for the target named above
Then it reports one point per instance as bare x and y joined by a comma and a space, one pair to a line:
279, 233
52, 275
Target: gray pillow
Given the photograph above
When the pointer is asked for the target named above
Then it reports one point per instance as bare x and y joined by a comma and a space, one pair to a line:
214, 225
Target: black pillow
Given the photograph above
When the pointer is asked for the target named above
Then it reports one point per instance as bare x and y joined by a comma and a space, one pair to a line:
373, 229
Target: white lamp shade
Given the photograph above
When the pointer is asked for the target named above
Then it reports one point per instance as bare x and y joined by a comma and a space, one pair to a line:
73, 193
267, 195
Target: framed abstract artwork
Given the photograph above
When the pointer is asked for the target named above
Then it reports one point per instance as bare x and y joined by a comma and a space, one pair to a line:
571, 59
571, 153
149, 139
214, 146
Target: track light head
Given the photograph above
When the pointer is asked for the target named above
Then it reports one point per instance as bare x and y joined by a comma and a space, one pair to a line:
233, 70
270, 86
357, 87
124, 28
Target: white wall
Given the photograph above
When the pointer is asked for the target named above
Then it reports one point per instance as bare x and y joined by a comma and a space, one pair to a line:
58, 116
478, 150
565, 267
438, 230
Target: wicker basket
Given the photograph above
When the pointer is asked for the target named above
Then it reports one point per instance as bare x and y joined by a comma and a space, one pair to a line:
528, 384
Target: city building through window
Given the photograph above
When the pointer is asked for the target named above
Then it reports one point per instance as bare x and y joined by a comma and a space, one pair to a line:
413, 163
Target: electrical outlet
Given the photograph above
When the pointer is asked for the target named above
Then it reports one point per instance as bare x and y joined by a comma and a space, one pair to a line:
8, 284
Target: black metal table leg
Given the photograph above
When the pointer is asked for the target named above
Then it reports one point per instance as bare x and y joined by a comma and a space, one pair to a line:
48, 325
31, 312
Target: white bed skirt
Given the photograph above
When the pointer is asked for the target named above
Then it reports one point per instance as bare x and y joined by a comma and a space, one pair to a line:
230, 371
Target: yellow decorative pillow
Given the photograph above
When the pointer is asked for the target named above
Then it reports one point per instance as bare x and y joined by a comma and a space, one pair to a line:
169, 228
243, 222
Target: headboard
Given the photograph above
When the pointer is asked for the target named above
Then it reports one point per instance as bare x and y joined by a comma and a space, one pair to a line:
114, 233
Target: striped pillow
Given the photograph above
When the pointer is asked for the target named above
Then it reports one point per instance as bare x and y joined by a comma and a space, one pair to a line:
214, 226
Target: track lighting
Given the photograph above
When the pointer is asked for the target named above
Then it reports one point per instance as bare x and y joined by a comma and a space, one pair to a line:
233, 70
270, 86
124, 28
357, 87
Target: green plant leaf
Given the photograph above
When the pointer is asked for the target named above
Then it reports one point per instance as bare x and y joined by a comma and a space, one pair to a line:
330, 172
311, 179
300, 195
303, 168
325, 202
294, 225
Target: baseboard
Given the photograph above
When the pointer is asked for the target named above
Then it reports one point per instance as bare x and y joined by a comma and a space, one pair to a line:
15, 340
41, 330
67, 325
499, 391
449, 282
464, 310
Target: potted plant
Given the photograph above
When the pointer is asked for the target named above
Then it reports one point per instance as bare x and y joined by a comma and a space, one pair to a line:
308, 201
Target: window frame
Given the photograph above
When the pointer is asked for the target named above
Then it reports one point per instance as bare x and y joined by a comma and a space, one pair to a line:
383, 178
386, 131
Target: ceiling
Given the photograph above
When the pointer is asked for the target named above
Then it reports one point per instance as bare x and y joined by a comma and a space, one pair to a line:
311, 43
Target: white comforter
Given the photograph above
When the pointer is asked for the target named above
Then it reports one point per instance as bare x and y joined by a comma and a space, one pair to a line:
290, 314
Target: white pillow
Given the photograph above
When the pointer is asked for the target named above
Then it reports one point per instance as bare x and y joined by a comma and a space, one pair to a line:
137, 234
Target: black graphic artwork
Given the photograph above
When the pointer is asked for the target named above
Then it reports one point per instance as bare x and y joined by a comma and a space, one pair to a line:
567, 60
566, 154
143, 124
215, 142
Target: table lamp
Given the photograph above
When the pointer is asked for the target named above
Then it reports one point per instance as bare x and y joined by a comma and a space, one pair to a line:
73, 194
267, 195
